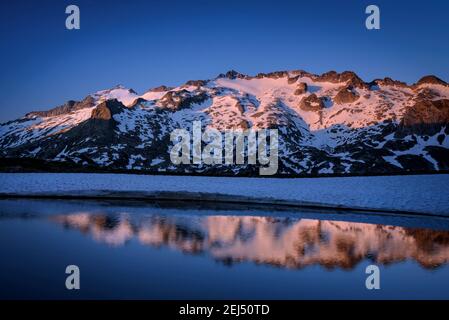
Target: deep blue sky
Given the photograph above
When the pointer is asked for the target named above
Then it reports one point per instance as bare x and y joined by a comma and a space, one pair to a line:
142, 44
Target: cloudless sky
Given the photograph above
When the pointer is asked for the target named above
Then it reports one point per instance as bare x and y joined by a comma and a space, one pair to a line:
143, 44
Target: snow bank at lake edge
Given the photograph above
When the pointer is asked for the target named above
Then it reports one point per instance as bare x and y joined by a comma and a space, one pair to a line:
415, 193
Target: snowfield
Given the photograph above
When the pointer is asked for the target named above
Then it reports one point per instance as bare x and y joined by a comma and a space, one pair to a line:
422, 194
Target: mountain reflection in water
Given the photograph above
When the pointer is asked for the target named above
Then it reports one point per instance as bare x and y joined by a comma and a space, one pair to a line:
277, 241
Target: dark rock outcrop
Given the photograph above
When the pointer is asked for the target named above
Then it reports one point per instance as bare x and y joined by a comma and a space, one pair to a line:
347, 76
389, 82
137, 101
232, 74
176, 100
292, 80
346, 95
311, 103
426, 94
426, 117
273, 75
105, 110
431, 79
301, 88
197, 83
161, 89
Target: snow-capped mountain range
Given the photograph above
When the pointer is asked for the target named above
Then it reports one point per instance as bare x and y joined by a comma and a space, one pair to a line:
334, 123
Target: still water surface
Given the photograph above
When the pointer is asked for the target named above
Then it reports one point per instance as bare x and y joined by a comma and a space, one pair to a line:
174, 251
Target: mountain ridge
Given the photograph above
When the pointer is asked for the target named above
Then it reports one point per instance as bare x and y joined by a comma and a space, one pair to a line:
333, 123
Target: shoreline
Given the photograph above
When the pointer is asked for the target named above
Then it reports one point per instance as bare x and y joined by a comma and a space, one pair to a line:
223, 199
409, 195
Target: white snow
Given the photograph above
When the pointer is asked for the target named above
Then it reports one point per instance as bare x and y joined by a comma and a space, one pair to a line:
129, 120
416, 193
103, 159
39, 127
328, 169
156, 161
35, 151
122, 94
132, 160
393, 161
442, 91
153, 95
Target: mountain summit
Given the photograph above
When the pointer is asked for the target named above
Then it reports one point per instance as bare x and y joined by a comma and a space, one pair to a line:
334, 123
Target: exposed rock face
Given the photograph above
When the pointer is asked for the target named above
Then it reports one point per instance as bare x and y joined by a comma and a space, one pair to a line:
301, 88
301, 73
273, 75
137, 101
347, 76
328, 124
161, 89
197, 83
105, 110
346, 95
389, 82
431, 80
426, 94
232, 74
176, 100
426, 117
240, 107
311, 103
69, 106
292, 80
102, 112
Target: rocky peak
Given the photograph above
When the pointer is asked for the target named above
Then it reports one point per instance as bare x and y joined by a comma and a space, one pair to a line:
300, 73
232, 74
272, 75
160, 89
389, 82
348, 77
196, 83
430, 79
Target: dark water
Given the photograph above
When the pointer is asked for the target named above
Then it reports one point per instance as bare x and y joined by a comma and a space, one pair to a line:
171, 251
